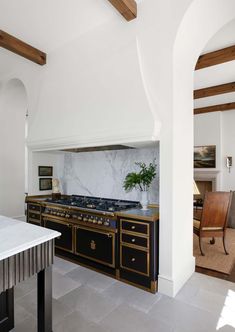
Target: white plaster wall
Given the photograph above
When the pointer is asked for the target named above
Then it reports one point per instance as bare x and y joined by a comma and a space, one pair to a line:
102, 173
228, 149
208, 131
218, 129
42, 159
13, 107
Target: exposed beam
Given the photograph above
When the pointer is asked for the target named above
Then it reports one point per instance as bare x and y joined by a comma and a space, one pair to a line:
214, 90
216, 57
215, 108
127, 8
19, 47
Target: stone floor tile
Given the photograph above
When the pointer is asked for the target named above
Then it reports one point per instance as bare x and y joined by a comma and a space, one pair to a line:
100, 282
81, 274
119, 291
62, 266
125, 318
91, 304
63, 285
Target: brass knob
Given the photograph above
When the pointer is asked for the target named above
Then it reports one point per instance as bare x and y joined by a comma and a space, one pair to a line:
132, 227
133, 259
133, 240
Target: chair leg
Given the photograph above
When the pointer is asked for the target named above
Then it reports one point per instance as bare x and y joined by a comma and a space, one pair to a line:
212, 241
200, 246
225, 246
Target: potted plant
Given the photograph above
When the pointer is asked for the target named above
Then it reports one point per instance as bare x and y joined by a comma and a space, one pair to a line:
141, 180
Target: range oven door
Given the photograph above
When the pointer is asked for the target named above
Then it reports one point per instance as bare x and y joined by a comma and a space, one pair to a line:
95, 244
65, 241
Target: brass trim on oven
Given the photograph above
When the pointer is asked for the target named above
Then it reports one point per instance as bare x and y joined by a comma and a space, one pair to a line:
135, 245
34, 221
133, 270
34, 211
110, 234
134, 222
65, 224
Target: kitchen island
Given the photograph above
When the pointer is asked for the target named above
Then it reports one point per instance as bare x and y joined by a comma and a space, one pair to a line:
25, 250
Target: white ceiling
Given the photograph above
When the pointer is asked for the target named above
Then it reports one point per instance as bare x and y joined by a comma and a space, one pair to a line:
47, 24
220, 74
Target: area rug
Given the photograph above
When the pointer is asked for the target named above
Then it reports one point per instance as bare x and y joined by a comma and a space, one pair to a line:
215, 258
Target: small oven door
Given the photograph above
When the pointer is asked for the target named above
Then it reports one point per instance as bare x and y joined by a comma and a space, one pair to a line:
95, 244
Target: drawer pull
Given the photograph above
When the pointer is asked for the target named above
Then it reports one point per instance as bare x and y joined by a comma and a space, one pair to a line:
133, 240
132, 227
133, 259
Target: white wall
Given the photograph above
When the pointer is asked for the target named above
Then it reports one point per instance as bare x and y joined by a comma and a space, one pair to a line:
218, 129
13, 107
42, 159
102, 173
228, 149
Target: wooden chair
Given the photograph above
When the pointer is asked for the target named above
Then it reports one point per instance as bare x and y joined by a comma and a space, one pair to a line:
214, 218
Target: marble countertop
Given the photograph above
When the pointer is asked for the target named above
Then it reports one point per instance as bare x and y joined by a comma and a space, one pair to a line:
152, 214
17, 236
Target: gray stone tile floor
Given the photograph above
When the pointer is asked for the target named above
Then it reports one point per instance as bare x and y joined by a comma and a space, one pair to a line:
86, 301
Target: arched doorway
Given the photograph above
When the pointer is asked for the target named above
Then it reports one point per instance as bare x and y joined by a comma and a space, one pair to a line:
13, 109
201, 21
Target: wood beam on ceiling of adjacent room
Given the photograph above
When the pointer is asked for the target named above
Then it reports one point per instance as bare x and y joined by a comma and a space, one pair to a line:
215, 108
214, 90
19, 47
216, 57
127, 8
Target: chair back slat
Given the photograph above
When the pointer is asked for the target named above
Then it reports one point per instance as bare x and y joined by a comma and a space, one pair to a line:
215, 209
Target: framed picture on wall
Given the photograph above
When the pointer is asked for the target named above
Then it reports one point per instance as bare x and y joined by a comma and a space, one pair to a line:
45, 184
45, 171
205, 156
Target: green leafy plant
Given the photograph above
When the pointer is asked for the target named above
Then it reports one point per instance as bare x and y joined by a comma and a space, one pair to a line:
141, 180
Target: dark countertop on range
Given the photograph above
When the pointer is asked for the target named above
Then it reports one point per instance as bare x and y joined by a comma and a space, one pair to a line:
152, 214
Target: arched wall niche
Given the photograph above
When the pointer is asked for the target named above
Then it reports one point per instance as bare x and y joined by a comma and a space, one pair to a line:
202, 20
13, 109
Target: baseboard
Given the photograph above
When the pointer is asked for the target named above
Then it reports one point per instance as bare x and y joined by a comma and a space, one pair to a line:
171, 287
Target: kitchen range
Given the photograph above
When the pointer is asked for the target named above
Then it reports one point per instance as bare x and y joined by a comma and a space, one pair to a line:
115, 237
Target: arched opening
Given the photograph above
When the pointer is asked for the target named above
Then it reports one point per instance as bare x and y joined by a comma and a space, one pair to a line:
13, 109
176, 256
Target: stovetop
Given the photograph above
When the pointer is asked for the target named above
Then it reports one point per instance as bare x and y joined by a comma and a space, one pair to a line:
95, 203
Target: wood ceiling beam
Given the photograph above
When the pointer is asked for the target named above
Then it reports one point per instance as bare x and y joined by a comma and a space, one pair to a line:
215, 108
19, 47
216, 57
127, 8
214, 90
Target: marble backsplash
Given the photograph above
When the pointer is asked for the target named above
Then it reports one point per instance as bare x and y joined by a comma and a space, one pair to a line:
102, 173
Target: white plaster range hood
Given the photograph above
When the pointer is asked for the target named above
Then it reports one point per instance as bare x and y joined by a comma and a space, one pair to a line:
100, 97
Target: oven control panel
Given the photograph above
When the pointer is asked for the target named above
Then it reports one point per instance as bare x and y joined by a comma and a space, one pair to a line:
82, 216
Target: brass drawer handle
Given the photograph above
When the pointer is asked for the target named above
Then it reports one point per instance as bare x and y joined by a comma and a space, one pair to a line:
133, 240
132, 227
133, 259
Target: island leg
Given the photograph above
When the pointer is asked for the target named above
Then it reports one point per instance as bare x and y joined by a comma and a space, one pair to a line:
45, 300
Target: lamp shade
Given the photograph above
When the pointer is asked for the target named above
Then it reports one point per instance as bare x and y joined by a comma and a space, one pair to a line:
195, 189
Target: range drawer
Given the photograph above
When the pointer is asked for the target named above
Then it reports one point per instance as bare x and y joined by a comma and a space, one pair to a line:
135, 240
34, 207
65, 241
34, 216
134, 260
96, 245
135, 227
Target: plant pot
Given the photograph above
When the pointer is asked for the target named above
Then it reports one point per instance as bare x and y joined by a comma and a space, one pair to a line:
144, 200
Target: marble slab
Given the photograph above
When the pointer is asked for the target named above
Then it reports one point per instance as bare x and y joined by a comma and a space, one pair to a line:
17, 236
102, 173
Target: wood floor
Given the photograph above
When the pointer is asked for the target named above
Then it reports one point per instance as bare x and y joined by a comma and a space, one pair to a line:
230, 277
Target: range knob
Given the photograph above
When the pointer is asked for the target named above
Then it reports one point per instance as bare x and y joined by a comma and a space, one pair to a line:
62, 215
67, 215
100, 222
107, 223
80, 218
85, 219
95, 221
